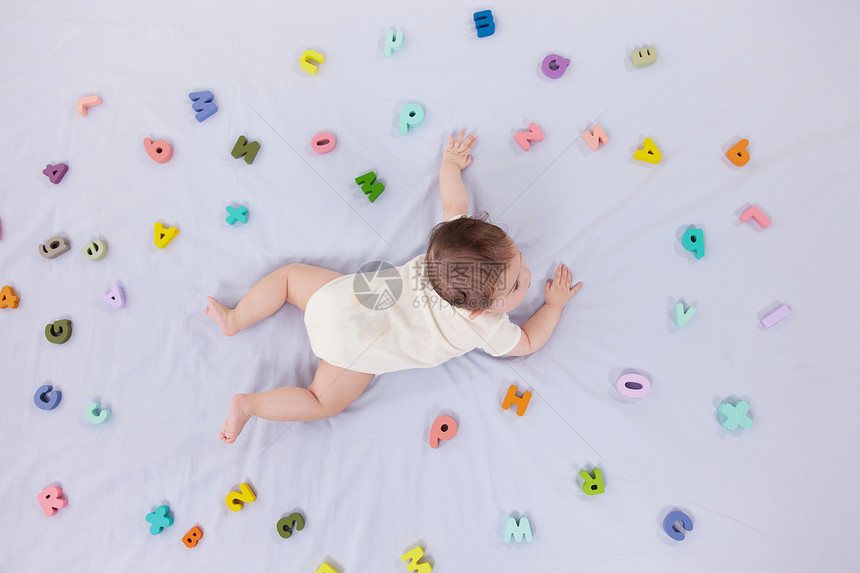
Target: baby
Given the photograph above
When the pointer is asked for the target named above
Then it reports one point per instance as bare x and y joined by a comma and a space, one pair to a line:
359, 325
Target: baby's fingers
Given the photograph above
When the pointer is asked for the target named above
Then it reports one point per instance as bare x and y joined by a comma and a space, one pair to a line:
562, 275
459, 138
469, 143
575, 288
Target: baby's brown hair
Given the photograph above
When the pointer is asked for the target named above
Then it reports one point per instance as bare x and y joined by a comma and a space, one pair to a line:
466, 261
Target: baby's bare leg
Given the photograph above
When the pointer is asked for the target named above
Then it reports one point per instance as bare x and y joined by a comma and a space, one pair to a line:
332, 390
293, 283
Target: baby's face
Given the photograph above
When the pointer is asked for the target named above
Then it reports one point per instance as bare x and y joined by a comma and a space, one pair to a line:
518, 277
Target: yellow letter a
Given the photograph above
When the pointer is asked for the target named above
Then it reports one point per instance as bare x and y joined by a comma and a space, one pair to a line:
164, 236
650, 153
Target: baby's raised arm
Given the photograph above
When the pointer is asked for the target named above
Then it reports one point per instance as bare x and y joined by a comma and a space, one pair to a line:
455, 158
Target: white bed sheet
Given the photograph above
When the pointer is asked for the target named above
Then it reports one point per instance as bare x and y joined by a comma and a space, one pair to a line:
778, 496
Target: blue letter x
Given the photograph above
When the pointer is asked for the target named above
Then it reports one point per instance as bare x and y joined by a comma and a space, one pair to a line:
240, 214
159, 519
735, 415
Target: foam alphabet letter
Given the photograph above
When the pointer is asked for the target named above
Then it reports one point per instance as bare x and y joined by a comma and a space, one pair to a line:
413, 556
323, 143
484, 24
287, 524
8, 298
56, 172
46, 398
682, 317
592, 485
237, 214
304, 61
644, 57
51, 499
236, 500
533, 134
694, 241
775, 316
735, 415
369, 186
59, 331
595, 137
159, 519
249, 150
56, 246
203, 104
164, 236
444, 428
518, 530
756, 215
649, 152
160, 151
115, 297
521, 402
326, 568
194, 535
96, 250
554, 66
633, 385
669, 524
738, 153
95, 416
393, 41
87, 102
411, 116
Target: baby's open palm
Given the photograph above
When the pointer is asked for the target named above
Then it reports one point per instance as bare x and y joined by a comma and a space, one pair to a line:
458, 151
558, 291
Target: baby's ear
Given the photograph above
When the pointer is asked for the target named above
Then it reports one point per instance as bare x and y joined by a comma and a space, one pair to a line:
475, 313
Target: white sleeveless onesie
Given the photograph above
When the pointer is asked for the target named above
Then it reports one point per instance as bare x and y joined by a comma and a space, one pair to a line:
363, 322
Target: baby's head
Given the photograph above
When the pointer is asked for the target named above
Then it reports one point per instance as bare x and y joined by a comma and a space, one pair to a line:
473, 264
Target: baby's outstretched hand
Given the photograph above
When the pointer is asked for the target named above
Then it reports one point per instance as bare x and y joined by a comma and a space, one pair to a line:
558, 291
458, 151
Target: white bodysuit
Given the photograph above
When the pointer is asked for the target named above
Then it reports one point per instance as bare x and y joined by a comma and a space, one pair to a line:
394, 320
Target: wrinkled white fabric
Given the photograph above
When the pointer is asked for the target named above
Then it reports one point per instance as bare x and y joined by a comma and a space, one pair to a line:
776, 497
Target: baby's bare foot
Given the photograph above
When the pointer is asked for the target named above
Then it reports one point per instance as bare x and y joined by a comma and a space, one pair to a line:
236, 420
222, 316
